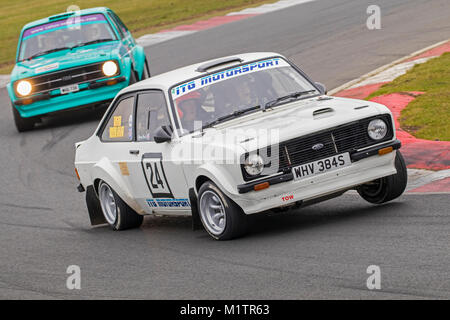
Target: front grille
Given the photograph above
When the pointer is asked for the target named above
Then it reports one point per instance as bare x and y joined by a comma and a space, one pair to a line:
55, 80
345, 138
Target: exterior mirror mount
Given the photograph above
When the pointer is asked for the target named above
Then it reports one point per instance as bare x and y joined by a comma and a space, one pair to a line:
163, 134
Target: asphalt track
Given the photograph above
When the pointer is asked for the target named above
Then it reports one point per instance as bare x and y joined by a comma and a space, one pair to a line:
321, 251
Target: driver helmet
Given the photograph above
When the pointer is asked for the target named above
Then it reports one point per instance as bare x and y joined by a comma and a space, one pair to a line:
195, 95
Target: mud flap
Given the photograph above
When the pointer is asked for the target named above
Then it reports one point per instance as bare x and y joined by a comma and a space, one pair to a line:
94, 209
196, 222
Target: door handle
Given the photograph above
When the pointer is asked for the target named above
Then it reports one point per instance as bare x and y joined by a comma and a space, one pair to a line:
134, 151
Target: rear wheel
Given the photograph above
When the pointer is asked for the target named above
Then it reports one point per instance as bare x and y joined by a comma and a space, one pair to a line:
388, 188
222, 218
22, 124
116, 212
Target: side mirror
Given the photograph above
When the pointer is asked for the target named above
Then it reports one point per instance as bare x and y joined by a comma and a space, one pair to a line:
321, 87
163, 134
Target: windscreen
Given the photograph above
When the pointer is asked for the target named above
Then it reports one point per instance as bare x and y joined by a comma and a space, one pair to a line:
63, 34
227, 92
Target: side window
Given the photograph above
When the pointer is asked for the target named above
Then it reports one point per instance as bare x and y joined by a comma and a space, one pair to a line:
121, 24
120, 125
121, 27
151, 113
286, 80
116, 24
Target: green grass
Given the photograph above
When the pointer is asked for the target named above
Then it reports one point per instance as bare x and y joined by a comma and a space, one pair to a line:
428, 115
140, 16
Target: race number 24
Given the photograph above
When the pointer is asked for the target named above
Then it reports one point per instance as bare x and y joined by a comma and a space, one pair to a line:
154, 174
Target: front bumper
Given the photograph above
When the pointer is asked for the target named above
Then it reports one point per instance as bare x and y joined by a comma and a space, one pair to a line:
355, 156
366, 166
89, 93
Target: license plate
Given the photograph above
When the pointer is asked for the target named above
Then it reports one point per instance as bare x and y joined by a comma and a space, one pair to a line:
68, 89
321, 166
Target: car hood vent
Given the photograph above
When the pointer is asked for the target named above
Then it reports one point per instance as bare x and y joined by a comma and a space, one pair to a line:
322, 111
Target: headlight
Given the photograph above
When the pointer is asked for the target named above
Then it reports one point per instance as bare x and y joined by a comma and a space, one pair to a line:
109, 68
377, 129
23, 88
254, 164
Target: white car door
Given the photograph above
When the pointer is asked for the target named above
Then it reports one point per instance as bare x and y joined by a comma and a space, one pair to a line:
117, 138
162, 187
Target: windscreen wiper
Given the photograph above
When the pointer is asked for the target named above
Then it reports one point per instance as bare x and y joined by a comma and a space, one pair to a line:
230, 116
90, 42
46, 52
293, 95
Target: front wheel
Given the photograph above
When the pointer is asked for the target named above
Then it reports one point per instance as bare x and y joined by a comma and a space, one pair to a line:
388, 188
222, 218
22, 124
116, 212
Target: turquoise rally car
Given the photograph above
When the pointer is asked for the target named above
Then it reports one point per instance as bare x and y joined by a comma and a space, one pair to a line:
70, 60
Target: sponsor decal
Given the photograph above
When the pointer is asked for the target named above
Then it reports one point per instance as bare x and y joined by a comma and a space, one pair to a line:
63, 23
117, 121
47, 68
151, 203
130, 127
117, 131
168, 203
227, 74
124, 168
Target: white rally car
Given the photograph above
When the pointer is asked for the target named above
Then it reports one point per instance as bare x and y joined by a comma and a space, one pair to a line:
231, 137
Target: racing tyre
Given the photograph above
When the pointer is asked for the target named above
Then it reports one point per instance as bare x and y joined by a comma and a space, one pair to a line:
116, 212
222, 218
388, 188
22, 124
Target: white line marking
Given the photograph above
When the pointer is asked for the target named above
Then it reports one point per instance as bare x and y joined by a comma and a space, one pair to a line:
382, 68
270, 7
391, 73
418, 177
154, 38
